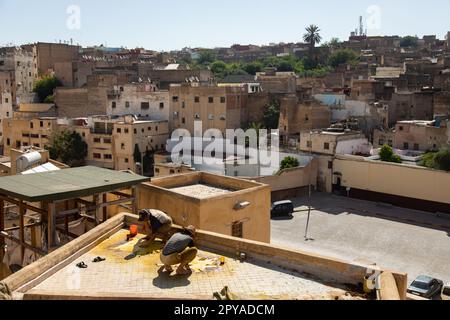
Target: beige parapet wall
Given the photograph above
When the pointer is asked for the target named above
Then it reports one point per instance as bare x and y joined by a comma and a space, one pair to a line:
396, 179
324, 268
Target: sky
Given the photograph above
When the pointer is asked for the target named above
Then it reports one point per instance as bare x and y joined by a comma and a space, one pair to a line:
175, 24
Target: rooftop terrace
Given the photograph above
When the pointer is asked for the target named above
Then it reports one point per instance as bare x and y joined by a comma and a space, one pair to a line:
132, 270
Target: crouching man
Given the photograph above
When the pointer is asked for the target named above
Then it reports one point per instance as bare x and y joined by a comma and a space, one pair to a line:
180, 249
155, 222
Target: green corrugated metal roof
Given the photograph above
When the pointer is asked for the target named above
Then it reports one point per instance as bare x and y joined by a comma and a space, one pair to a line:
66, 184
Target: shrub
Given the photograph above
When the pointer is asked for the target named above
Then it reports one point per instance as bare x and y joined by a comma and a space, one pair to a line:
388, 155
289, 162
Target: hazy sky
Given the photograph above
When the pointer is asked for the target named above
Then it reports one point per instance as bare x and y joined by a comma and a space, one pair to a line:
174, 24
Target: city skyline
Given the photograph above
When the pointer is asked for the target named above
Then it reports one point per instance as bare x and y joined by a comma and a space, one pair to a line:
177, 25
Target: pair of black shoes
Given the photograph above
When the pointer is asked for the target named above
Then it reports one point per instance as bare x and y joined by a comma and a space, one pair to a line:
83, 265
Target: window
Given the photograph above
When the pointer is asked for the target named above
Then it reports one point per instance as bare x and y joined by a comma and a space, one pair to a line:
326, 146
211, 117
107, 156
309, 144
135, 131
197, 116
8, 142
197, 99
83, 134
31, 125
183, 120
149, 128
126, 131
416, 146
119, 130
172, 171
156, 128
237, 230
390, 143
156, 170
6, 100
97, 156
330, 164
183, 105
211, 100
222, 99
37, 145
41, 124
175, 98
122, 146
381, 142
97, 140
306, 118
145, 105
18, 144
113, 105
127, 104
107, 140
126, 160
400, 128
161, 105
406, 146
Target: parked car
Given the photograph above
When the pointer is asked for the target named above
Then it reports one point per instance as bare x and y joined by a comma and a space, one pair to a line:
282, 208
446, 290
426, 287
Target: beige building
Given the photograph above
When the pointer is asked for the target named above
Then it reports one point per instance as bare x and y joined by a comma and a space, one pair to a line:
142, 99
332, 142
229, 206
165, 167
35, 132
112, 142
6, 110
55, 58
216, 107
415, 135
17, 75
297, 117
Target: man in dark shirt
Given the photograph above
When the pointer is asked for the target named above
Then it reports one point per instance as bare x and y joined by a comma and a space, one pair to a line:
155, 222
180, 249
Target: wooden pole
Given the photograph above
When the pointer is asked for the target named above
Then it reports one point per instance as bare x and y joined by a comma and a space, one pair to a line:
2, 227
135, 195
51, 226
97, 208
22, 212
105, 209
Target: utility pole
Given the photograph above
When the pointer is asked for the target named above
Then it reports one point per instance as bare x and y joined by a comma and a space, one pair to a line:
309, 186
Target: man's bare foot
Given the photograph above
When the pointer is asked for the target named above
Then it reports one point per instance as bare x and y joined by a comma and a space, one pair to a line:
183, 271
168, 269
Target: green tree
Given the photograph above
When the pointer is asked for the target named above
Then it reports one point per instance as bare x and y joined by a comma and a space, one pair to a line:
219, 69
206, 57
253, 67
333, 43
289, 162
68, 147
409, 41
272, 115
437, 160
342, 56
387, 155
313, 37
45, 87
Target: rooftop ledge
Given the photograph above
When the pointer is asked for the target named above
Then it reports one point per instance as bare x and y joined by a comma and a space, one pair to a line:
268, 272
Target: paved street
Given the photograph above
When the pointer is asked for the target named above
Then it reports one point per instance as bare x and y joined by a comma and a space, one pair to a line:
396, 238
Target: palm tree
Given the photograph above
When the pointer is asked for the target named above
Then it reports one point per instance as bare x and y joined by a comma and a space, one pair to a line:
312, 37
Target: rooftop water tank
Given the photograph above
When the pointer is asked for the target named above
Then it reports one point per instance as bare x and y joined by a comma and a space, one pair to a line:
27, 160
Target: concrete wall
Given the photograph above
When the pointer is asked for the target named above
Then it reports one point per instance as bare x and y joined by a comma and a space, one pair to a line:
216, 214
401, 180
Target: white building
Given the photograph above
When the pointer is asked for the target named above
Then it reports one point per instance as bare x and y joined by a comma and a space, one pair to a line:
141, 99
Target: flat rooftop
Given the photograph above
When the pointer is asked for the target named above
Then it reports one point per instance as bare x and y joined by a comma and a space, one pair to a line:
201, 191
134, 268
66, 184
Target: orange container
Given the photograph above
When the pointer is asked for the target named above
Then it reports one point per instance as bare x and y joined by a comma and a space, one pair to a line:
133, 230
